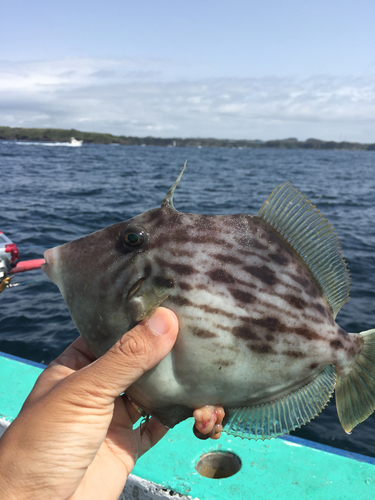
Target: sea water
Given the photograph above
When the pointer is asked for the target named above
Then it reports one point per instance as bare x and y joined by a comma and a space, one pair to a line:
51, 195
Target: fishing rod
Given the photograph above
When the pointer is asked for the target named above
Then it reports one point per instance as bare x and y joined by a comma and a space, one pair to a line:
10, 264
27, 265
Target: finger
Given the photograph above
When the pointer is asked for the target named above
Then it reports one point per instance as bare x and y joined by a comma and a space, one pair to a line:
135, 353
75, 356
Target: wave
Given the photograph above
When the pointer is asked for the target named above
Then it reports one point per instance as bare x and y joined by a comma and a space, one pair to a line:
49, 144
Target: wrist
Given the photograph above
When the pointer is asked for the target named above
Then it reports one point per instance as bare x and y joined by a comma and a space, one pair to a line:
10, 479
15, 480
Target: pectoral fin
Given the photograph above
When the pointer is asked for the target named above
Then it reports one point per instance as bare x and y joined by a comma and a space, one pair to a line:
148, 298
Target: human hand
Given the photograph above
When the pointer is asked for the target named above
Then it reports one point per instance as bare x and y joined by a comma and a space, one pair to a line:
74, 436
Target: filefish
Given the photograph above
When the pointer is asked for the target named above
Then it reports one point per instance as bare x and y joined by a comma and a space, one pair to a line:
256, 297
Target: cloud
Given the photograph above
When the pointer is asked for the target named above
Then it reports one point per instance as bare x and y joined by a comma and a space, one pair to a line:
150, 97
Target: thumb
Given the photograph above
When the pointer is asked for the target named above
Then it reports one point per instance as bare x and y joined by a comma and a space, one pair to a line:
135, 353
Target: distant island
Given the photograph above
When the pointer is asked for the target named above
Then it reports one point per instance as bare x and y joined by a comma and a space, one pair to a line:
61, 135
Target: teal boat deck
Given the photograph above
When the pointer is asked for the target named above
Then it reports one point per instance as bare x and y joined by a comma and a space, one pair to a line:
287, 468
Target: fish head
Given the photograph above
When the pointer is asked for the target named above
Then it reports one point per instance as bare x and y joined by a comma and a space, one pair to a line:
110, 279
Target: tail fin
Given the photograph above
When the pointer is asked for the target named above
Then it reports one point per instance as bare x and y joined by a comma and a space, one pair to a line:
355, 392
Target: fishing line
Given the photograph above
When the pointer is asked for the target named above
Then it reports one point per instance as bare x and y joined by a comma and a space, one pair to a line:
7, 284
12, 285
50, 245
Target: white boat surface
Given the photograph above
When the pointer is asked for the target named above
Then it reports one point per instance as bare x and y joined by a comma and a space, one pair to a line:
75, 142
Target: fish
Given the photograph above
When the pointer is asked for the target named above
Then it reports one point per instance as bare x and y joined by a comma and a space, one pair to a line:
256, 297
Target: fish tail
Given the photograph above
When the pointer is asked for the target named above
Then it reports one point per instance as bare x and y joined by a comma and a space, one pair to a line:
355, 389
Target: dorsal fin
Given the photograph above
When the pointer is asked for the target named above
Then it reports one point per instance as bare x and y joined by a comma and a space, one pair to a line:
306, 230
168, 200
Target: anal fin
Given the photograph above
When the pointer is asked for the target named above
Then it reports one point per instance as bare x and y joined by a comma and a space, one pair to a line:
283, 415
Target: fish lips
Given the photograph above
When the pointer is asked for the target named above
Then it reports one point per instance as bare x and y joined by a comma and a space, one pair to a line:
50, 265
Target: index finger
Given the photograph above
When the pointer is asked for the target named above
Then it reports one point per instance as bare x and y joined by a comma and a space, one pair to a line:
76, 356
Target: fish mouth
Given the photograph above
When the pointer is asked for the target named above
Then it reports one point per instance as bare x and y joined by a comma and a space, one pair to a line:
50, 258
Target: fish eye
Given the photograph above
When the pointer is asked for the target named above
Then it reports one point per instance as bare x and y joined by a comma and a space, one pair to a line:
135, 236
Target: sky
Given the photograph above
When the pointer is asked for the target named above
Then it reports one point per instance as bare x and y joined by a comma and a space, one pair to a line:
239, 69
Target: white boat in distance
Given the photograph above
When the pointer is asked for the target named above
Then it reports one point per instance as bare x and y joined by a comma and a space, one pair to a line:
75, 143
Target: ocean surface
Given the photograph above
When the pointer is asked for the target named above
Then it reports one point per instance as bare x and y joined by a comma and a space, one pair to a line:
54, 193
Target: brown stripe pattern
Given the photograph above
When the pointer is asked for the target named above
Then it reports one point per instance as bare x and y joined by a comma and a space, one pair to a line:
254, 324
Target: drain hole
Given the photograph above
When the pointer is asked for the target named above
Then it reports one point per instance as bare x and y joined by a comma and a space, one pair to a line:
218, 464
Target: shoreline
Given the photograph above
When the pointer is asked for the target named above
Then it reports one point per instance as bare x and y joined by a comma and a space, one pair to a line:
64, 135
